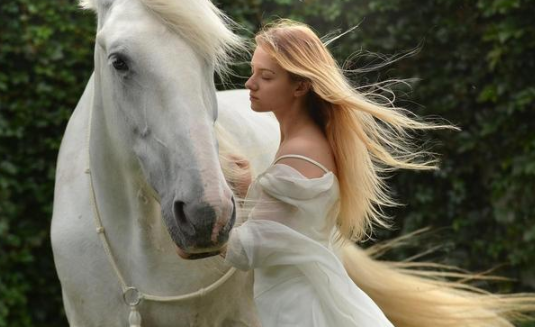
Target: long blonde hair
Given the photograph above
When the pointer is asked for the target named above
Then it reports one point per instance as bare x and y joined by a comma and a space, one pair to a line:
368, 138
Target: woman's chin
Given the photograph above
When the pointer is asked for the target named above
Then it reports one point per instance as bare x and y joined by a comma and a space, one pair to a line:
257, 108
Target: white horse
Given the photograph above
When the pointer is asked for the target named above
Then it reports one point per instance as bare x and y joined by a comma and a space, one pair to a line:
138, 173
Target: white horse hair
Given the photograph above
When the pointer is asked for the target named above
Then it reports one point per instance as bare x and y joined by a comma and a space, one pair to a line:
201, 23
138, 172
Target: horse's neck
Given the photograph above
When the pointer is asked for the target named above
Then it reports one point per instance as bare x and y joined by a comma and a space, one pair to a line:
255, 135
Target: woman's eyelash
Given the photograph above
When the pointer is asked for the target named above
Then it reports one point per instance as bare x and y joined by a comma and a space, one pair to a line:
263, 77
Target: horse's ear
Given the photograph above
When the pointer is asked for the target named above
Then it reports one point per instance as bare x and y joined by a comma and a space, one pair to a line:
88, 5
95, 5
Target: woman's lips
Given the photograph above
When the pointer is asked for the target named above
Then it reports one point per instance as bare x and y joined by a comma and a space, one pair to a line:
252, 97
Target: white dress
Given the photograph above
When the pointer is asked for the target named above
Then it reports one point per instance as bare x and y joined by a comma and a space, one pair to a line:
299, 281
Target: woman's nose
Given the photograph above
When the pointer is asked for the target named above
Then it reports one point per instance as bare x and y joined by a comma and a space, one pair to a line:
250, 84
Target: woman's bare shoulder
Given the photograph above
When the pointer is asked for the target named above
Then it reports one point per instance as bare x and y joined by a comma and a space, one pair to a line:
315, 148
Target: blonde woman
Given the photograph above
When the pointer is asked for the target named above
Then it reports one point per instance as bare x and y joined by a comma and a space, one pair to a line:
324, 190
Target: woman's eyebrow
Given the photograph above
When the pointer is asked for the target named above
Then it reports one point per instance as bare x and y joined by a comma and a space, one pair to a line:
269, 70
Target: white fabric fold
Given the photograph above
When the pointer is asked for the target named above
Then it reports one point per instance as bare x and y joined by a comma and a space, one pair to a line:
285, 241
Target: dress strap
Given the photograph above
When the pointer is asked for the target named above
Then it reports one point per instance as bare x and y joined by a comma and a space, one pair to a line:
302, 157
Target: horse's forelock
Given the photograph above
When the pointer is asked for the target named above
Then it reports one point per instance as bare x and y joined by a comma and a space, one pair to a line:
203, 25
200, 22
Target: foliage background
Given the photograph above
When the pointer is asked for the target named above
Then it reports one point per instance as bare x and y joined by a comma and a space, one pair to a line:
475, 68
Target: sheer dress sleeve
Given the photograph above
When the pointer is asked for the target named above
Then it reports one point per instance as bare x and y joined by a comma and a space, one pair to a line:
269, 236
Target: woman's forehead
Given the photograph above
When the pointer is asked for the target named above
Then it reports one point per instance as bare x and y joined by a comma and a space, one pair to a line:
262, 60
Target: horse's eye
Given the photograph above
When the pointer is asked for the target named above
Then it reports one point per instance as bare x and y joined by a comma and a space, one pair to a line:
119, 64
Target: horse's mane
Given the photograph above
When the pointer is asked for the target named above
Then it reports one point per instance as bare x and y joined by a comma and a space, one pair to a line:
200, 22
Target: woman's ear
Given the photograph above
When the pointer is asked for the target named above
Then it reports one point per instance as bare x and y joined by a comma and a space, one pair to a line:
302, 88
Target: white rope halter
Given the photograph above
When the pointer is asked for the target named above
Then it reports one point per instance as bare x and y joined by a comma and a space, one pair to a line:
131, 295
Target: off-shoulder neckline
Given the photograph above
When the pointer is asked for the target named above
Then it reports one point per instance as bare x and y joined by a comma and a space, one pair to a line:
329, 173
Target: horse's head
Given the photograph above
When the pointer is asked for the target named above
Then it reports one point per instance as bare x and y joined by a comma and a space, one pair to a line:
154, 65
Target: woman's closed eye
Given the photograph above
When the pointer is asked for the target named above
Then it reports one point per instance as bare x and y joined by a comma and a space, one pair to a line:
265, 75
265, 78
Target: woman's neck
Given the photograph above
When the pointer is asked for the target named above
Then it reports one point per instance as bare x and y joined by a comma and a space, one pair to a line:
293, 120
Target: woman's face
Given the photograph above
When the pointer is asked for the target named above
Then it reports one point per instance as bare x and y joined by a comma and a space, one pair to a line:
271, 87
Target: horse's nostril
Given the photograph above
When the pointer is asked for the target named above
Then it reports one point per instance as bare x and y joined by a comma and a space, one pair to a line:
178, 211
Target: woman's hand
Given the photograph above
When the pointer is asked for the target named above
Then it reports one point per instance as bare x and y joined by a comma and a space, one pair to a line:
241, 186
223, 250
